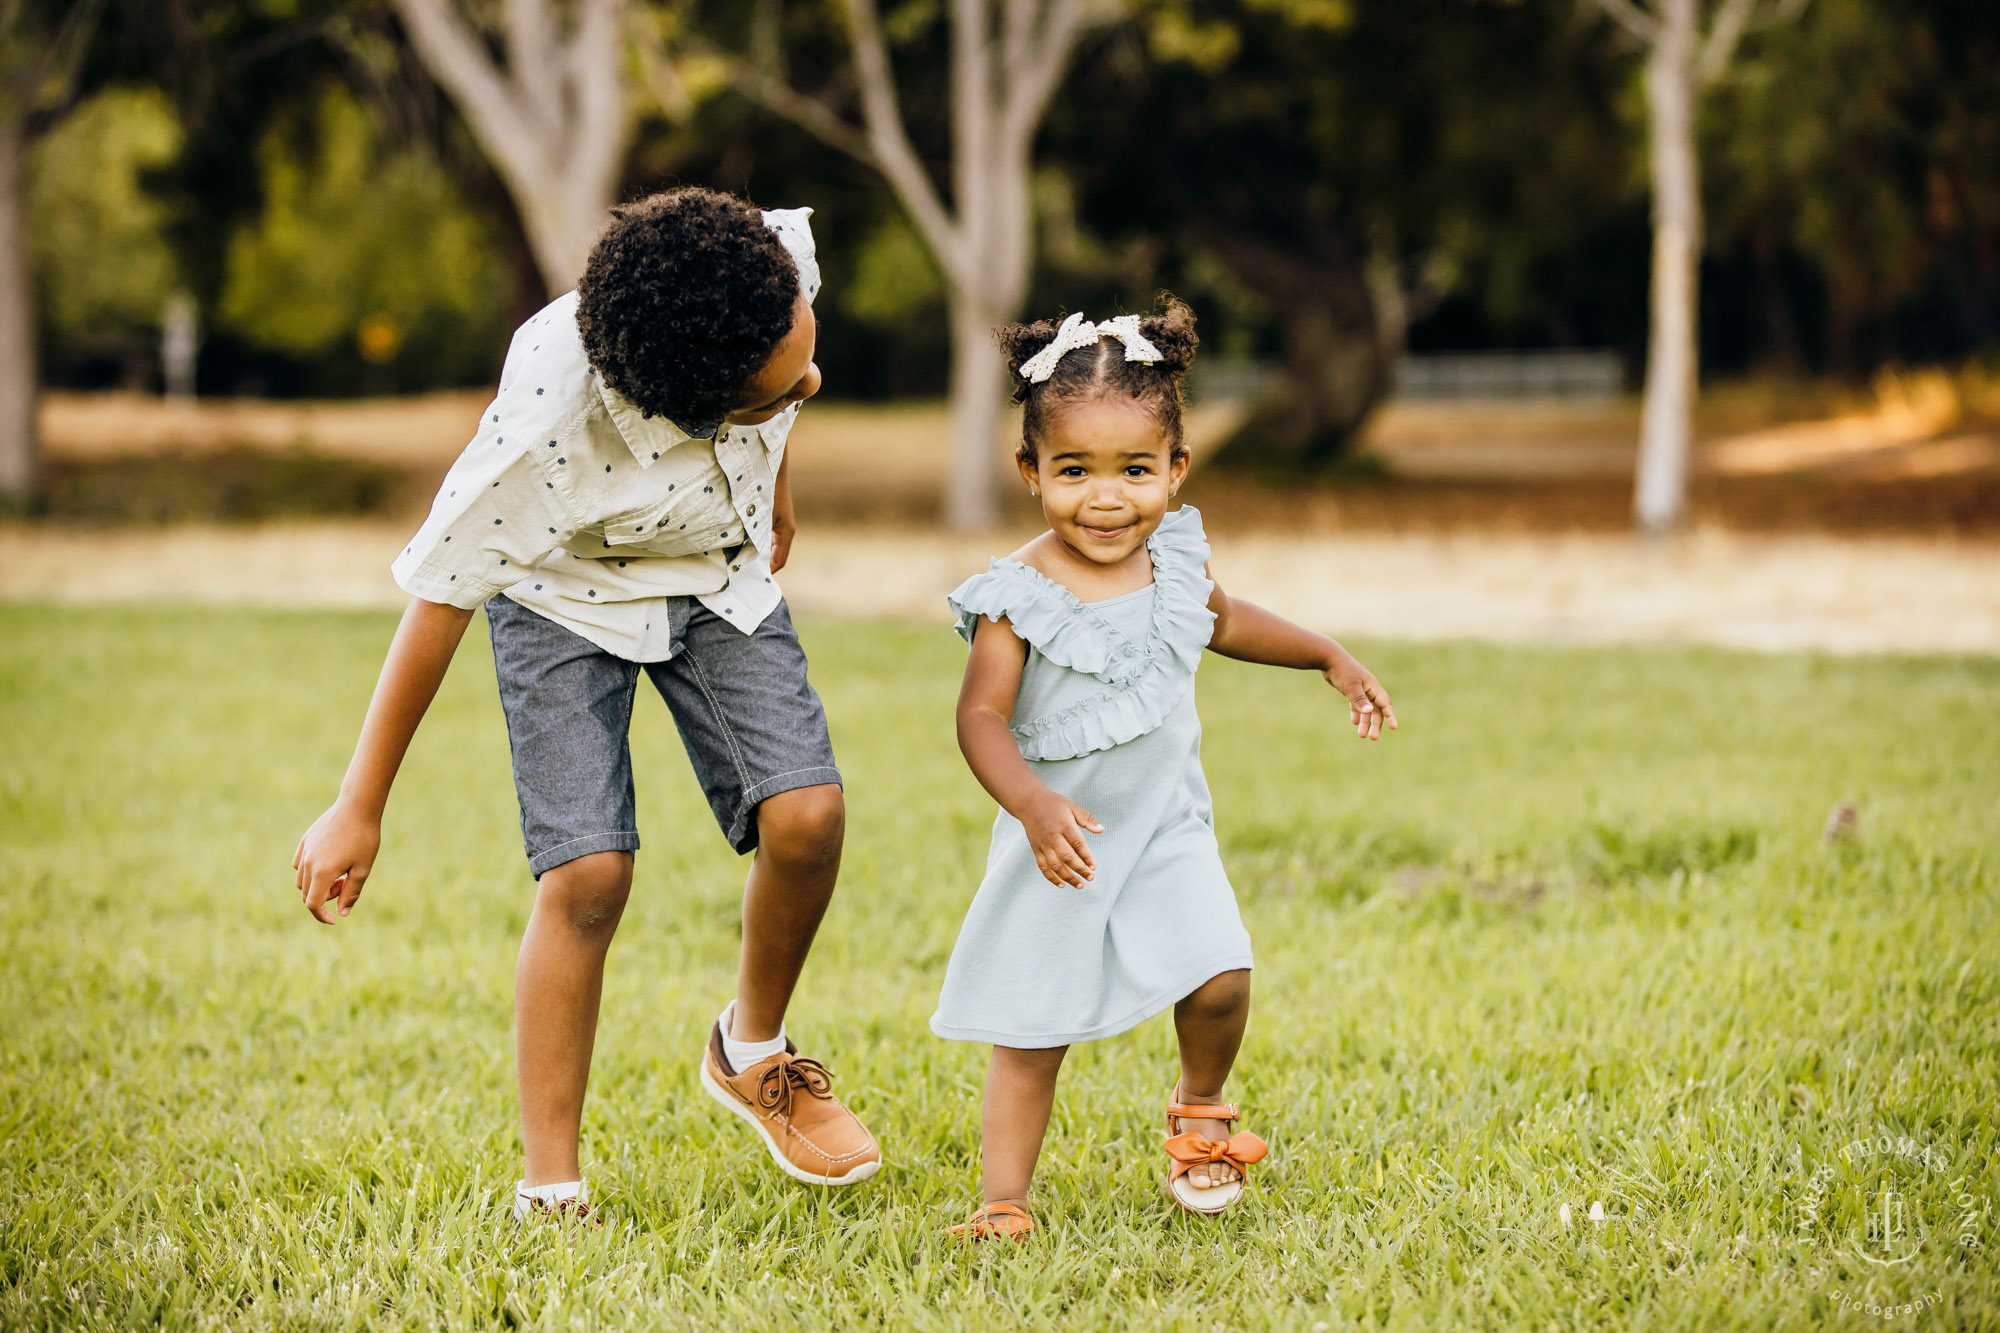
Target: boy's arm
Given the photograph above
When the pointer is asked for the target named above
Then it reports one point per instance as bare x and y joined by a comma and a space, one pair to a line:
337, 852
784, 526
1054, 823
1249, 633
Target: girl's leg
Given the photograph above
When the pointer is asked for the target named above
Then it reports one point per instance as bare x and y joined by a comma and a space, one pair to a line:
1210, 1024
1020, 1093
557, 982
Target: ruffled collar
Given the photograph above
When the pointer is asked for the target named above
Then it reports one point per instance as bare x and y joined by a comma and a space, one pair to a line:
1144, 679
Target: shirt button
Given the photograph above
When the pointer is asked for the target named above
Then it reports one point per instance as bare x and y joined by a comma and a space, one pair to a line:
752, 511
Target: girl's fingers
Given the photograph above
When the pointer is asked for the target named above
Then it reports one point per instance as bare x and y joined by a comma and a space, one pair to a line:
1085, 818
352, 893
1079, 852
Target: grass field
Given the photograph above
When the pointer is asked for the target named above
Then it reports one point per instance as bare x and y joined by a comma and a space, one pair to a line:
1573, 936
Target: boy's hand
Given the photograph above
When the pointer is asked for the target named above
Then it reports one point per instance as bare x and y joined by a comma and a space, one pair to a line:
333, 861
1368, 705
1055, 826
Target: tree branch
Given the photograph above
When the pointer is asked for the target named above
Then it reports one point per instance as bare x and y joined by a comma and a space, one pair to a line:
1724, 32
458, 59
895, 156
1029, 91
1632, 18
808, 113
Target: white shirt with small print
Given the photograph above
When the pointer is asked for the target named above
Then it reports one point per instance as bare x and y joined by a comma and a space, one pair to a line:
576, 506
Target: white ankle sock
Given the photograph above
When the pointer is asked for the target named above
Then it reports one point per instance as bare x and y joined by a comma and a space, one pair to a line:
742, 1054
525, 1195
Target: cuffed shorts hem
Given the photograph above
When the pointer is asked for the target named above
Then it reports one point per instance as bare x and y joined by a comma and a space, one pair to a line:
742, 832
1163, 999
570, 849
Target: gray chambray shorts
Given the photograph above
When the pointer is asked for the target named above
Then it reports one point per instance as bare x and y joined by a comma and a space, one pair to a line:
752, 724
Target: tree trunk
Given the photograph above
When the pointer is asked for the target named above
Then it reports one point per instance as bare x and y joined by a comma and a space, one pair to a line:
20, 454
1659, 499
552, 119
978, 391
1336, 357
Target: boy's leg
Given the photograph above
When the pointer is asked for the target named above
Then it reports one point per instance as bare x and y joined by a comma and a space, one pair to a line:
756, 735
1020, 1094
799, 836
558, 981
1209, 1023
569, 709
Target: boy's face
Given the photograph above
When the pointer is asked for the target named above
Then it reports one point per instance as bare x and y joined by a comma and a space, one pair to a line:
788, 377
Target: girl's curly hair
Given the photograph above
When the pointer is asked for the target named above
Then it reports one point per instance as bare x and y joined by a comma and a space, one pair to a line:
1101, 370
685, 296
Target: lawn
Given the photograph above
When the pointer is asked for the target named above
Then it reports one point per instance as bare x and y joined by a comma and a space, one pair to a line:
1573, 937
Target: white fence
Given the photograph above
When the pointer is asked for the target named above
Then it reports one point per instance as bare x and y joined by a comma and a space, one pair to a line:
1442, 377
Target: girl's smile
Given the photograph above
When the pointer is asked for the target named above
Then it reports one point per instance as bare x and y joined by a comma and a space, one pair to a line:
1105, 474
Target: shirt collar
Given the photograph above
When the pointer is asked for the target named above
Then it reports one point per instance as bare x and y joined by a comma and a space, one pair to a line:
647, 437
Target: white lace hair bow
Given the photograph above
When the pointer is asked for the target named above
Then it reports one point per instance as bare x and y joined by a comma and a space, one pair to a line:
1076, 331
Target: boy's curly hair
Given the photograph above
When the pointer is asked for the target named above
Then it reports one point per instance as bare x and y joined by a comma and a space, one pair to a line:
685, 296
1101, 370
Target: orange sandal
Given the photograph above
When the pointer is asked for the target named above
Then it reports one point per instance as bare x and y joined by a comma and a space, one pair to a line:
994, 1221
1190, 1148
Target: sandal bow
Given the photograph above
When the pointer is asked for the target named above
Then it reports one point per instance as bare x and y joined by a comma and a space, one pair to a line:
783, 1080
1191, 1148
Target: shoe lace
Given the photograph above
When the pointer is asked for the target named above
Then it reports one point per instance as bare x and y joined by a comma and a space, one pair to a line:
782, 1082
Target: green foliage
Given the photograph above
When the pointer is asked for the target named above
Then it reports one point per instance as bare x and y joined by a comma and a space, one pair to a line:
895, 279
1572, 935
360, 248
103, 265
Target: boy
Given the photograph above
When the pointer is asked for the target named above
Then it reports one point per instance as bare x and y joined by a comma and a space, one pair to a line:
623, 509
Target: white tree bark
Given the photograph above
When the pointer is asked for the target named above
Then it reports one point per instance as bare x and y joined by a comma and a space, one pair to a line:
1659, 494
1007, 56
1680, 60
20, 453
553, 118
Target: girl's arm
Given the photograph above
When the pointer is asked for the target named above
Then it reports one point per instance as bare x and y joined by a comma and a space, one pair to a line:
1054, 823
1249, 633
337, 852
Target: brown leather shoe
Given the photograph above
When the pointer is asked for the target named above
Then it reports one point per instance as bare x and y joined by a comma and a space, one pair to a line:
789, 1101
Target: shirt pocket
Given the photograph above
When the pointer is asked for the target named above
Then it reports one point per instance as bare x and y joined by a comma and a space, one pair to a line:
698, 519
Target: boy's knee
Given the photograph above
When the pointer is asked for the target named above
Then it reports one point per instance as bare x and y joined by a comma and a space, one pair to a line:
589, 893
805, 825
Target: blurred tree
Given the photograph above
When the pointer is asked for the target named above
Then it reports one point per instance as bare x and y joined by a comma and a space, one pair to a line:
103, 260
41, 47
1004, 63
358, 248
552, 110
1349, 163
1864, 143
1686, 51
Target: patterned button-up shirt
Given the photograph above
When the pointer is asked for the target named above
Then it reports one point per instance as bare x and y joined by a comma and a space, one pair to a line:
574, 505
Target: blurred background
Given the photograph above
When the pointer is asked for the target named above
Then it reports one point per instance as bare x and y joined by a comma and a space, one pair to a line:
259, 261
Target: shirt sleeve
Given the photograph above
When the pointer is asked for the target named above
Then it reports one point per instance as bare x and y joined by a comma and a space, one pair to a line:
495, 518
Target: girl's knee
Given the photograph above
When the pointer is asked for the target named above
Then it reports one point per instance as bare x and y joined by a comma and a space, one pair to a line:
805, 825
1221, 996
588, 894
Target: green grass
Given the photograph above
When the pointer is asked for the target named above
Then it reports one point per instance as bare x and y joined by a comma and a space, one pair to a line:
1572, 936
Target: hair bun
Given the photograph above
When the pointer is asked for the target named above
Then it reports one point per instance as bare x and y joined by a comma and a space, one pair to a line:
1171, 330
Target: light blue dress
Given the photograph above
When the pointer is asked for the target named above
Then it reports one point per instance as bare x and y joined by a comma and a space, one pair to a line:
1106, 717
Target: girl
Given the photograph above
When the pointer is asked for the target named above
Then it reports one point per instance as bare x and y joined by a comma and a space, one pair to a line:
1077, 714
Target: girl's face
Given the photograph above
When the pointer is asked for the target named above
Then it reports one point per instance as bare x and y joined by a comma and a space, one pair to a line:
1105, 476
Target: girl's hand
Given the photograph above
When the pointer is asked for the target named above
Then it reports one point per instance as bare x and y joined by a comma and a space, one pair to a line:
1368, 705
1055, 826
333, 861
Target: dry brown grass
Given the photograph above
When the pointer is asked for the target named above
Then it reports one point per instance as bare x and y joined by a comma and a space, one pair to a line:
1916, 454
